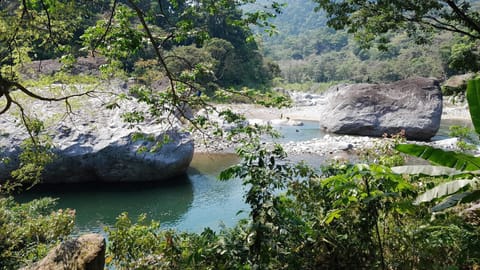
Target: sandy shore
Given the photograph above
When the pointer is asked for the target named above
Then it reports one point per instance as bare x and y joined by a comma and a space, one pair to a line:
252, 111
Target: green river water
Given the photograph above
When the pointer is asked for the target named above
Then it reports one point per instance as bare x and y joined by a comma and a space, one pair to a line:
191, 202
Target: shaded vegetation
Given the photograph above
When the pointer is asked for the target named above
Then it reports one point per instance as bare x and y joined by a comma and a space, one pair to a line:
28, 231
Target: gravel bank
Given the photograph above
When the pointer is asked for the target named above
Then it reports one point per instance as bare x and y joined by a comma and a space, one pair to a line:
328, 147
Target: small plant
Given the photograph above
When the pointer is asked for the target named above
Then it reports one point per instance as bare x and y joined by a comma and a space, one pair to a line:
36, 153
384, 153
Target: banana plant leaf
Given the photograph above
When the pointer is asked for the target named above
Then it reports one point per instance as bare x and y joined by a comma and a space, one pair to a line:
430, 170
464, 197
451, 159
473, 99
445, 189
451, 201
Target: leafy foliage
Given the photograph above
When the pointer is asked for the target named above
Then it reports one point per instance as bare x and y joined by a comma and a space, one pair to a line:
142, 245
307, 50
29, 230
372, 21
349, 216
457, 160
473, 98
463, 190
36, 153
466, 137
343, 216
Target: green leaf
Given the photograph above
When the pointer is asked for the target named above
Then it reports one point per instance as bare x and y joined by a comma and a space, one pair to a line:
444, 190
473, 98
430, 170
333, 215
459, 161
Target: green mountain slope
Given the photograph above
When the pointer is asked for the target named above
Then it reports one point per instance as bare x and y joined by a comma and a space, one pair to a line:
308, 51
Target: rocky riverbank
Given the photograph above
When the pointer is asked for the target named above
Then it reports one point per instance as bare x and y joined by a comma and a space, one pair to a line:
325, 147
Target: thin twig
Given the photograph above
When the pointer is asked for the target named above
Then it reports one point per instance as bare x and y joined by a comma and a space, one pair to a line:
156, 48
25, 121
109, 25
49, 21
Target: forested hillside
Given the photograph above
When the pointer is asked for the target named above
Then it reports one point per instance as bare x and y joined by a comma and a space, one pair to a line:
216, 44
309, 51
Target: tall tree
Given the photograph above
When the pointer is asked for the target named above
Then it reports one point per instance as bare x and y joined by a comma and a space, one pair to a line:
371, 20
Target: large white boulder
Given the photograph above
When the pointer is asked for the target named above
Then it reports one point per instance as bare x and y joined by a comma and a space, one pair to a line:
93, 143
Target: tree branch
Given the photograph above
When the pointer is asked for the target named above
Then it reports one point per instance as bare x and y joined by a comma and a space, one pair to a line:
25, 9
463, 16
7, 86
156, 48
33, 95
49, 21
446, 26
9, 104
109, 25
24, 117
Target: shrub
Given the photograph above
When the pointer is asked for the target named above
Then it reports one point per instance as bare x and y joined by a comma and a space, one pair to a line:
29, 230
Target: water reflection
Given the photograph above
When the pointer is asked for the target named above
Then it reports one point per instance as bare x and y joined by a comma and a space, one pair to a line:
190, 202
215, 202
98, 205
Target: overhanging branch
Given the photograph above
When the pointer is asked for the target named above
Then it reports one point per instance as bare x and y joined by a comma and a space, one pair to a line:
436, 23
470, 22
7, 87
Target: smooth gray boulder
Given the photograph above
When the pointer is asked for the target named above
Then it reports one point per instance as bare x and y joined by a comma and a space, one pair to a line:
94, 144
413, 105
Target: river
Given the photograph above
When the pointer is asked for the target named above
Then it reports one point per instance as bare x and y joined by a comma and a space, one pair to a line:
188, 203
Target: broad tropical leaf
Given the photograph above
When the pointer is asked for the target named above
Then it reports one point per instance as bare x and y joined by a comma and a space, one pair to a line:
332, 215
473, 98
455, 160
430, 170
451, 159
472, 196
445, 189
